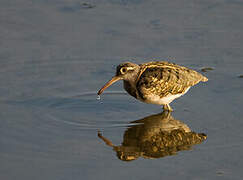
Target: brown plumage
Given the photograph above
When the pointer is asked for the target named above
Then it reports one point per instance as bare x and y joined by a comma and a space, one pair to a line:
155, 136
155, 82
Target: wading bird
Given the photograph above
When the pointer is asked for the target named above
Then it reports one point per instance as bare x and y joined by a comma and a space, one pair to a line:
155, 82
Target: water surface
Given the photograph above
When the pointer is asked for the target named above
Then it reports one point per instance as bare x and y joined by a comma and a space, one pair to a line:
55, 55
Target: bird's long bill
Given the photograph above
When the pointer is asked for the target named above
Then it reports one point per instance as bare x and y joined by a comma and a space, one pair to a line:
113, 80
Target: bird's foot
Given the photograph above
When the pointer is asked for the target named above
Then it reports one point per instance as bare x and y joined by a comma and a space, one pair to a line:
167, 108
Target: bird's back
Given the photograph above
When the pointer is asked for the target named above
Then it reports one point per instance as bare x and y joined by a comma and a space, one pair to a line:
164, 78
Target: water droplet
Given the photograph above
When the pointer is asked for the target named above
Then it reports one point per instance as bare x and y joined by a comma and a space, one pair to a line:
98, 97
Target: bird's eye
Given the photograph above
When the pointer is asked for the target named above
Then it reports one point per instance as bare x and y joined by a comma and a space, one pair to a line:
123, 70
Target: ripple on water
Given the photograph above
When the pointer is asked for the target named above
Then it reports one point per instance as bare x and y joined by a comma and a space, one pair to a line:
86, 111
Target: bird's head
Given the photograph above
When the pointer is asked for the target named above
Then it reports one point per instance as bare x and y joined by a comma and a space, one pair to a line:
126, 71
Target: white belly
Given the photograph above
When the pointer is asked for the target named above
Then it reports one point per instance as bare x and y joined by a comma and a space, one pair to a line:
155, 99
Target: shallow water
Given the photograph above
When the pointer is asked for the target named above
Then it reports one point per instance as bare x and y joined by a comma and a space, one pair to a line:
55, 55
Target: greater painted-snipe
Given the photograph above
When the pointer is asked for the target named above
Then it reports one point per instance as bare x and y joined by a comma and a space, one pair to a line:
155, 82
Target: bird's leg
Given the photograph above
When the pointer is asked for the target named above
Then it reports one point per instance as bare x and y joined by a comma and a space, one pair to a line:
167, 108
107, 141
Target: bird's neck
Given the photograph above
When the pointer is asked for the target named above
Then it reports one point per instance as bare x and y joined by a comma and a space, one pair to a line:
130, 88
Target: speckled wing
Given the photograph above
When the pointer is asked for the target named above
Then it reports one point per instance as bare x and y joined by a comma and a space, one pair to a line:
164, 78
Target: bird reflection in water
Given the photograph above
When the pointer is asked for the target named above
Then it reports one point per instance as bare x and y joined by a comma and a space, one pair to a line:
155, 136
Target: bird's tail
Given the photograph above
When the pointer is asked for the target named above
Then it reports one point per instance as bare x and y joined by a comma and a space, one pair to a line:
204, 79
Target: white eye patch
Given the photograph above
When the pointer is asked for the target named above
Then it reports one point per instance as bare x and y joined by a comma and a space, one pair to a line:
130, 68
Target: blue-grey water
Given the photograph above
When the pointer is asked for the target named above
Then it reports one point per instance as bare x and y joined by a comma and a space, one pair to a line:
55, 55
